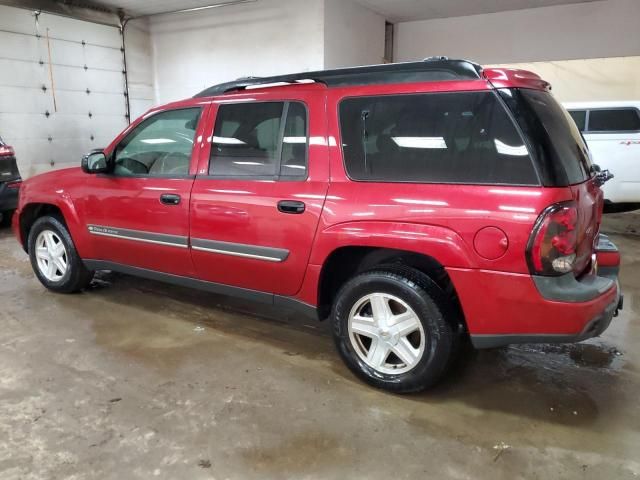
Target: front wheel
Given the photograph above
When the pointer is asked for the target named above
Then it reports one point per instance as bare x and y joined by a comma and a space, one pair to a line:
54, 258
390, 328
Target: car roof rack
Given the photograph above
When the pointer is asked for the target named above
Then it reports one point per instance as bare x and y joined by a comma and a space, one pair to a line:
431, 69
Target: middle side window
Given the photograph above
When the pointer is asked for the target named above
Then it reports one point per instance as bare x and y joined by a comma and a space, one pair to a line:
262, 139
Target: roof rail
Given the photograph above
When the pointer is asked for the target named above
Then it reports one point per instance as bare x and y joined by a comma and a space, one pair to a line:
431, 69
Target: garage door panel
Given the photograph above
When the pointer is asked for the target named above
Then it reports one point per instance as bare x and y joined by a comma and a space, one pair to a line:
82, 127
79, 121
78, 31
37, 150
23, 74
19, 47
103, 58
77, 55
79, 79
17, 20
38, 127
79, 103
70, 150
23, 100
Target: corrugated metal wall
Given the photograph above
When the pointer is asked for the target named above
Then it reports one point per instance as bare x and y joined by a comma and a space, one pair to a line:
61, 88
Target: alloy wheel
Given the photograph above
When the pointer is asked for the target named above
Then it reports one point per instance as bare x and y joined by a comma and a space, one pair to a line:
386, 333
51, 256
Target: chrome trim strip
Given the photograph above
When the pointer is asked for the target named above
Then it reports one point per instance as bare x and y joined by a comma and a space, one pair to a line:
237, 254
139, 236
256, 252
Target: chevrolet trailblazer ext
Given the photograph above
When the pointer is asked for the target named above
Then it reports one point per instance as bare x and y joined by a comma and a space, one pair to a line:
412, 204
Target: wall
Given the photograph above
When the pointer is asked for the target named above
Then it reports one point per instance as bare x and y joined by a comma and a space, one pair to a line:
192, 51
593, 79
588, 51
353, 35
139, 66
587, 30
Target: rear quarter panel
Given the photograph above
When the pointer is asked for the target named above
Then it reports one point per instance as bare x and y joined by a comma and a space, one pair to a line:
440, 220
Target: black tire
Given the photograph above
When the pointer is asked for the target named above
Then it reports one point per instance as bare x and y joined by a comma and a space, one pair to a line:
76, 276
433, 310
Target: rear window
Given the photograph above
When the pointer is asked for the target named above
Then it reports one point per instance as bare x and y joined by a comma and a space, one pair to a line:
560, 152
580, 117
614, 120
462, 137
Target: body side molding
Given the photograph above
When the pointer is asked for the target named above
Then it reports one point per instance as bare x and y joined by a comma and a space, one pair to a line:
268, 254
139, 236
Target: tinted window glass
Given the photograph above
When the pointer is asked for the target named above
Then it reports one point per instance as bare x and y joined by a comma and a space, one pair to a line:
463, 137
294, 142
245, 139
160, 145
8, 169
560, 149
580, 117
249, 140
615, 120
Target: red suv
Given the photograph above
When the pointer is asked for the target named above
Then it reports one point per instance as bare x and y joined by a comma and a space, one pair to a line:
412, 204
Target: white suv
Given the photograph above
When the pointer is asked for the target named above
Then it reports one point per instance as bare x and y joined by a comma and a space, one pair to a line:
612, 131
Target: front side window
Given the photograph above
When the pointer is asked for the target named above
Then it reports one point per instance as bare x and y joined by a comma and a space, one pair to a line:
260, 140
462, 137
580, 117
160, 145
616, 120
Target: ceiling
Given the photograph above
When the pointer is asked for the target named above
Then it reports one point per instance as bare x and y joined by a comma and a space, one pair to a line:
407, 10
393, 10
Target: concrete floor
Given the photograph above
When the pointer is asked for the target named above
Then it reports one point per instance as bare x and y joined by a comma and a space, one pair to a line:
137, 379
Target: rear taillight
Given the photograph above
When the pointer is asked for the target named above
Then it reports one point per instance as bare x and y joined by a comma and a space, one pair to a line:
7, 151
14, 185
553, 243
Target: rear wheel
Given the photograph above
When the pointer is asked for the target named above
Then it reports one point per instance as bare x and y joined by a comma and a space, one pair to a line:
390, 329
54, 258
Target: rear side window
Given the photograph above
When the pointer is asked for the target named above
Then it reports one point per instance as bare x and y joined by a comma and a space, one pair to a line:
260, 140
620, 120
580, 117
559, 150
462, 137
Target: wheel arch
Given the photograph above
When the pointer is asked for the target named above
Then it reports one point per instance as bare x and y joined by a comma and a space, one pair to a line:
345, 262
31, 212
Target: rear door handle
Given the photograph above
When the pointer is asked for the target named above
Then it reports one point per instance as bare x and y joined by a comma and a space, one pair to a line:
170, 199
291, 206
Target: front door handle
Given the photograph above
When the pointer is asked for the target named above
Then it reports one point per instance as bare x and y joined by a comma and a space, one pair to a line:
291, 206
170, 199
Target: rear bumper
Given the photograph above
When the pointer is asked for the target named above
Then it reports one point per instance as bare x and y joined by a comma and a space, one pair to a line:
504, 308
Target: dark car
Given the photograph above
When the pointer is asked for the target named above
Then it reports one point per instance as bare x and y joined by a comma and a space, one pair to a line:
10, 181
414, 205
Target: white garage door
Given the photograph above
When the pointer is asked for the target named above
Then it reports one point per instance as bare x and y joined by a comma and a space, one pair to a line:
61, 88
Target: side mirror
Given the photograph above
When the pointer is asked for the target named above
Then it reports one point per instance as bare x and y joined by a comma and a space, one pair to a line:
95, 162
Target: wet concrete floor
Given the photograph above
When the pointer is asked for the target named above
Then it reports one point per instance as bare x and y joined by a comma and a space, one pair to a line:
136, 379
